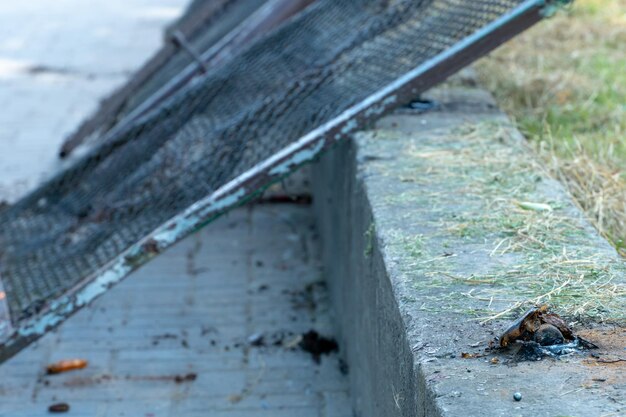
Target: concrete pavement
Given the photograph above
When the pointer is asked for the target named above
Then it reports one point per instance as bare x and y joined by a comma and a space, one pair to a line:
58, 59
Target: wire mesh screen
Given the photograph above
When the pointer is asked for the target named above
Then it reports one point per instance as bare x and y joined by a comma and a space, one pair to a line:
203, 25
80, 225
223, 21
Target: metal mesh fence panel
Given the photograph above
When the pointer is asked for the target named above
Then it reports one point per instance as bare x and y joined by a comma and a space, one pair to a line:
203, 26
334, 67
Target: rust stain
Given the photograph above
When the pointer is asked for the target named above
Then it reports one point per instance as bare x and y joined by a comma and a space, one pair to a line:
151, 246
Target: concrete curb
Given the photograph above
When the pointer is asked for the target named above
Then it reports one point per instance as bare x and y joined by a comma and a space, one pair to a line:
410, 220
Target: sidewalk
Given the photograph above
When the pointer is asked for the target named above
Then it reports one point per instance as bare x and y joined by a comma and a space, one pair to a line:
174, 339
181, 336
58, 59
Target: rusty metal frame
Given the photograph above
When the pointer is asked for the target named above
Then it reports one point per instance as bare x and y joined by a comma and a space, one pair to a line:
304, 150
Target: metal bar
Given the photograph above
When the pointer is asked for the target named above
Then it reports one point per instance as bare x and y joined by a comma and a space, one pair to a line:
179, 39
305, 150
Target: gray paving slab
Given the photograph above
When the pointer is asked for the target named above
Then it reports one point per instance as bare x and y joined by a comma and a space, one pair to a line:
168, 320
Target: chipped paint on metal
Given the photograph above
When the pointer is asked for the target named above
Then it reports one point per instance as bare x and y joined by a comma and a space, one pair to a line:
222, 204
56, 304
62, 308
298, 158
350, 126
178, 226
103, 282
168, 235
41, 324
381, 108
